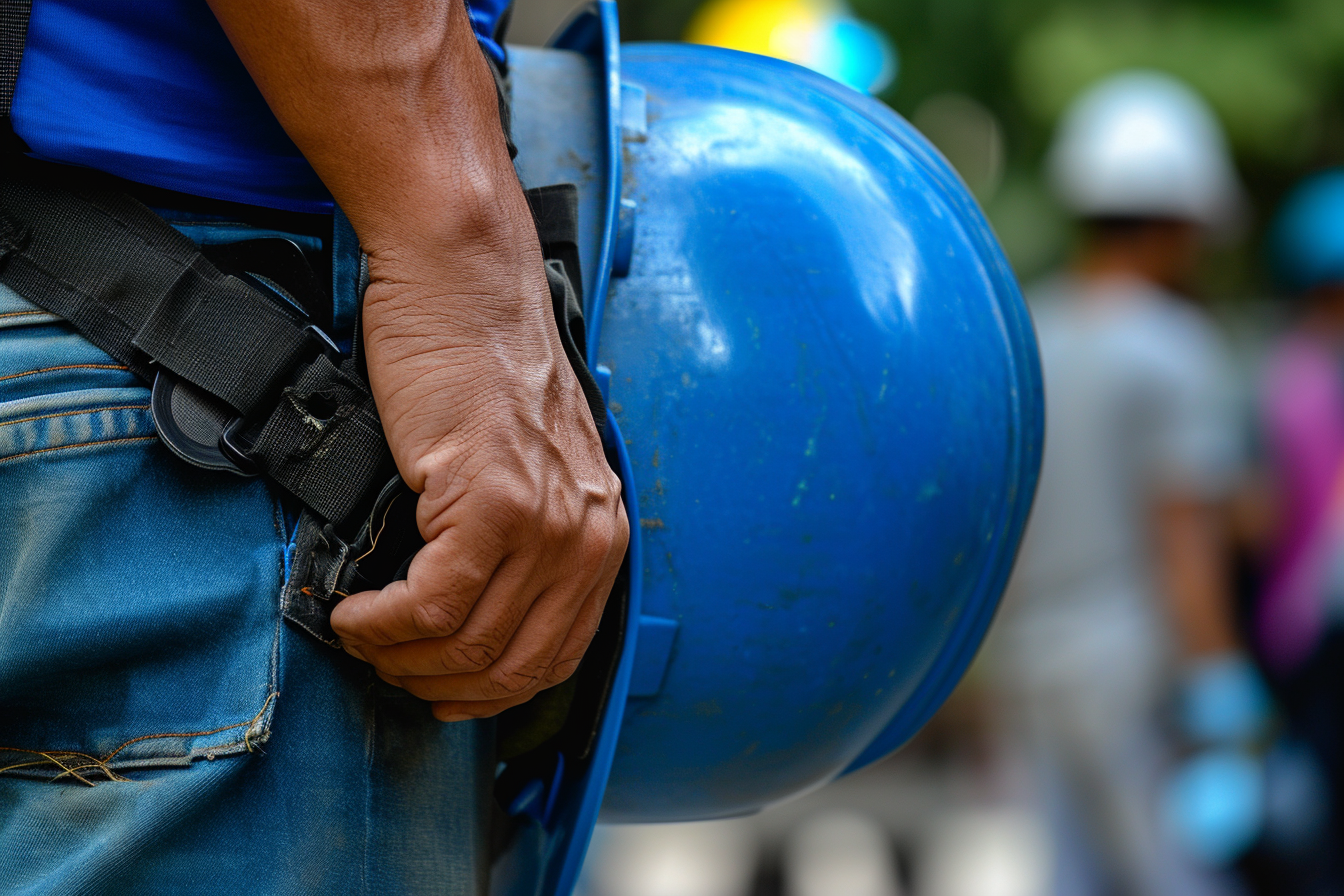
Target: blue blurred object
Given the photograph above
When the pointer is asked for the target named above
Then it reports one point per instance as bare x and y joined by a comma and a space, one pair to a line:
1224, 701
830, 403
856, 54
1306, 242
1214, 805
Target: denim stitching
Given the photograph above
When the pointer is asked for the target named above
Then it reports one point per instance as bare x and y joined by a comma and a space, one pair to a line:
144, 737
120, 407
4, 460
14, 376
34, 313
278, 520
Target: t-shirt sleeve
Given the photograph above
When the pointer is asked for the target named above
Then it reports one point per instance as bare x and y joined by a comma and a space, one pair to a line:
1193, 437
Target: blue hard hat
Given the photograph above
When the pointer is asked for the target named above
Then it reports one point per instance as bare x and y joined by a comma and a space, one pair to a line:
825, 401
1306, 241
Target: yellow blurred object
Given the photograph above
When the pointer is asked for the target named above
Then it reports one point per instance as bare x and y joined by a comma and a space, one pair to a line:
820, 34
779, 28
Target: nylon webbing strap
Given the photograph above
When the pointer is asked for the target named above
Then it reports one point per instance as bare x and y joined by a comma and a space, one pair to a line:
13, 34
336, 462
143, 293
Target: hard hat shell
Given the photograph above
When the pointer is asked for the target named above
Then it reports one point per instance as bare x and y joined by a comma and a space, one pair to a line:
1143, 144
829, 389
826, 408
1306, 241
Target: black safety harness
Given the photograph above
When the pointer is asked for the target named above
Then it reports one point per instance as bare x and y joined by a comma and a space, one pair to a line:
243, 380
287, 405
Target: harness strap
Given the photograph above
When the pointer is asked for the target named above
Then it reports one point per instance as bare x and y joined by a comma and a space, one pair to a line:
144, 293
281, 398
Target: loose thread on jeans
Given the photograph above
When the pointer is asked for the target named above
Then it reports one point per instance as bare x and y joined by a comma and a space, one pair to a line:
247, 732
53, 757
72, 769
307, 591
102, 767
379, 534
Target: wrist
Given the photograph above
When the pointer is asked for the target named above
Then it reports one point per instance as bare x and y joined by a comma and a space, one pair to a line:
472, 270
457, 217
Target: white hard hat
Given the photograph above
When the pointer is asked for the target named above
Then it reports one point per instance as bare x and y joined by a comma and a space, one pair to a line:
1143, 144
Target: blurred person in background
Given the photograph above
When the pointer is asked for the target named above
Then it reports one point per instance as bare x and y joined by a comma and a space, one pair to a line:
1299, 618
1121, 594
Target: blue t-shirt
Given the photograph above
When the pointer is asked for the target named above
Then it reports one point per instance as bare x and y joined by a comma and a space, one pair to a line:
153, 92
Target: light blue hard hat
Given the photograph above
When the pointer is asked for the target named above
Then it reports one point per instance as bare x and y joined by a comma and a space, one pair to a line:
826, 409
1306, 241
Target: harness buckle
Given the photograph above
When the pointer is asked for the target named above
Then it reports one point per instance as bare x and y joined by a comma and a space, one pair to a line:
238, 435
231, 447
202, 429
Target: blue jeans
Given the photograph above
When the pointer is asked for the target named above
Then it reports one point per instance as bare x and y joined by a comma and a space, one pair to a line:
161, 729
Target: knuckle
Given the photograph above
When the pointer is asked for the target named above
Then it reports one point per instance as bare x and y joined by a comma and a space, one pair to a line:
473, 657
432, 619
614, 488
512, 682
474, 571
561, 517
607, 541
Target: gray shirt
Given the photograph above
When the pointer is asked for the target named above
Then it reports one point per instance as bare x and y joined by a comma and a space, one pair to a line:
1139, 403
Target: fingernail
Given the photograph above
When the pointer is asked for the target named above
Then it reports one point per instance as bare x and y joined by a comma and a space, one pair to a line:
456, 717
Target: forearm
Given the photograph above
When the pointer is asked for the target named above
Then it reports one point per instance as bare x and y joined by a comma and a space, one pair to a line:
1192, 554
395, 108
392, 104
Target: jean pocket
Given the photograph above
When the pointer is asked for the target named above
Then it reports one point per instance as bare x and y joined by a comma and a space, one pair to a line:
139, 596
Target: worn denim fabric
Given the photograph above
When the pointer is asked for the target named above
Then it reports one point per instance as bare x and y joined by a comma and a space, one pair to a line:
161, 730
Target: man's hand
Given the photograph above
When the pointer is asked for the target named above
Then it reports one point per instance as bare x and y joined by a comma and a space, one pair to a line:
522, 516
394, 106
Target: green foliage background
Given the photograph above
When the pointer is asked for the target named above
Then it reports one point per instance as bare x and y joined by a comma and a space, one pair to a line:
1272, 69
